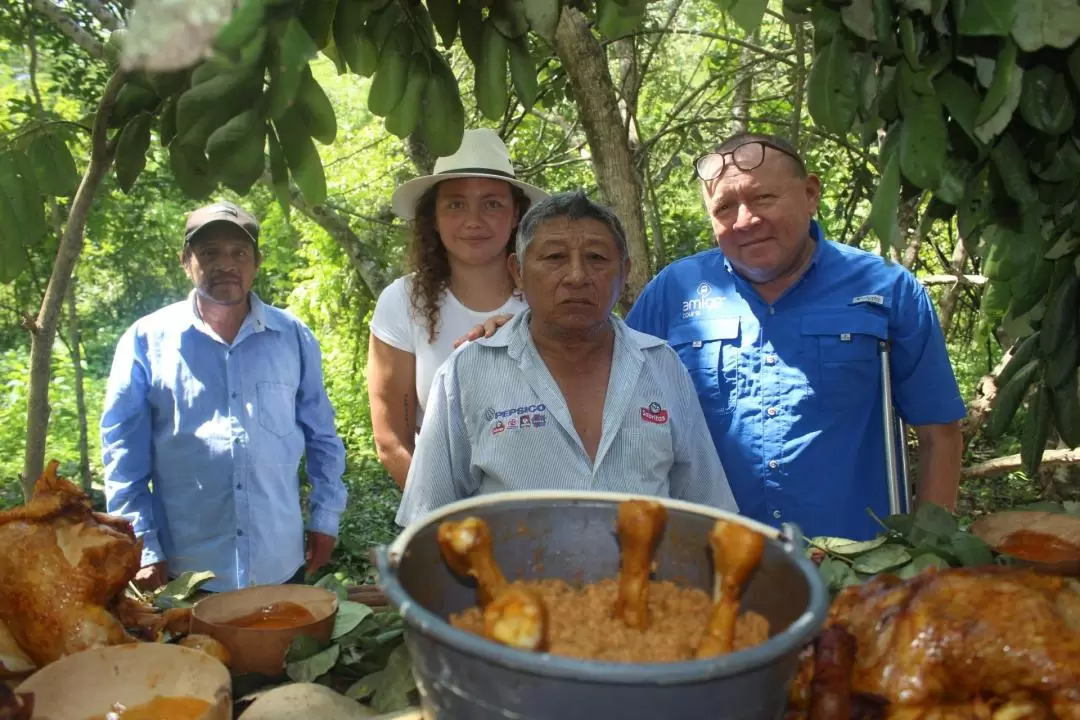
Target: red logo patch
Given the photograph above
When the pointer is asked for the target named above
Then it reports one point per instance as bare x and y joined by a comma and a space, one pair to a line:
654, 414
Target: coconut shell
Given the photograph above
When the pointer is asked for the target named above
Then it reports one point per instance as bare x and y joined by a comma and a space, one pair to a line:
1047, 541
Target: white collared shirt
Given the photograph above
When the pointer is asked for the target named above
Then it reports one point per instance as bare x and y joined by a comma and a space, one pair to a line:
497, 421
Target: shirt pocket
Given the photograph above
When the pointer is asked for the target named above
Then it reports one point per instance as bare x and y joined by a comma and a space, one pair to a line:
710, 351
849, 360
277, 408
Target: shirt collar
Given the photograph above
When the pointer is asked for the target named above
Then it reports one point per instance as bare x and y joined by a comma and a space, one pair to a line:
257, 315
515, 336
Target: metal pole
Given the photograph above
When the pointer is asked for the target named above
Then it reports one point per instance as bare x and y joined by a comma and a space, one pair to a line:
905, 474
888, 417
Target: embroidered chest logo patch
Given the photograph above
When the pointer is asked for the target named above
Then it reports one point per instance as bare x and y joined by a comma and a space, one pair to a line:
654, 414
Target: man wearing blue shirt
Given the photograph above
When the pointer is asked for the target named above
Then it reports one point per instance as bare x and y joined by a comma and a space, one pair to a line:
209, 407
781, 331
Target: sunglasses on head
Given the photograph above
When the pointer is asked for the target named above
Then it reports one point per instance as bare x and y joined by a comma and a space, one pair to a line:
746, 157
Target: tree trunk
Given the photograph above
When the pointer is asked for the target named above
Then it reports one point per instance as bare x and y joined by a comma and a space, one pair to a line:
43, 330
744, 89
986, 391
798, 83
587, 70
80, 389
1011, 463
948, 303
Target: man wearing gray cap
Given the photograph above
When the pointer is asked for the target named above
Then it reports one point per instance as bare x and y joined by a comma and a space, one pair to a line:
209, 407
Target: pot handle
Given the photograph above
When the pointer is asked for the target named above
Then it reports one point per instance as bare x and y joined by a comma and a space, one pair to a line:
792, 539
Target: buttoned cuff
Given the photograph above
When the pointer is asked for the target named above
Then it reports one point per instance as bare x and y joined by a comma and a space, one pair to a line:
324, 521
152, 553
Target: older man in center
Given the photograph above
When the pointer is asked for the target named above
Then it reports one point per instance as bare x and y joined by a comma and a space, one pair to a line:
565, 395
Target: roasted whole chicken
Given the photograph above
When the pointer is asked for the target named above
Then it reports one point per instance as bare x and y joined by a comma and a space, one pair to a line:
63, 571
986, 642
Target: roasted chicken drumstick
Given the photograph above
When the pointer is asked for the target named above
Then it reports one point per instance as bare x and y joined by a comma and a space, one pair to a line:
736, 552
512, 616
640, 526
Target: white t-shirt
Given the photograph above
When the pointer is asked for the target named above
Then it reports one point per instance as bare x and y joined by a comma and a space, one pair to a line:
396, 324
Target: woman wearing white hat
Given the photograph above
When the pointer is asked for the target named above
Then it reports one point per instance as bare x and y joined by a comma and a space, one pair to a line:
463, 219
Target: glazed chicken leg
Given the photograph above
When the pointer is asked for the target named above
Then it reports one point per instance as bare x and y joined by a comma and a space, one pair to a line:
736, 552
640, 526
513, 616
466, 547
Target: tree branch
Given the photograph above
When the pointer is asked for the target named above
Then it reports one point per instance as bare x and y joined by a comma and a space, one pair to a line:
727, 39
104, 15
68, 26
1011, 463
950, 279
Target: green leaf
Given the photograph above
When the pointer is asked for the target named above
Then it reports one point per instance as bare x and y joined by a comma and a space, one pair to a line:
349, 616
1067, 410
303, 647
1009, 399
747, 14
923, 6
191, 170
131, 150
279, 176
881, 559
1036, 430
845, 547
1012, 168
933, 521
543, 17
833, 97
55, 167
921, 563
923, 143
954, 177
25, 207
902, 524
333, 584
314, 667
1002, 97
1045, 102
883, 211
960, 100
970, 550
390, 687
291, 55
858, 17
183, 587
1047, 22
986, 17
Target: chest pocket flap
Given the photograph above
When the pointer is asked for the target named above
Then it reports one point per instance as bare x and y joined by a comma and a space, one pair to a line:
696, 342
847, 333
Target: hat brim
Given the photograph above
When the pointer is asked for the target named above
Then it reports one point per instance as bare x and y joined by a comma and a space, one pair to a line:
189, 237
406, 197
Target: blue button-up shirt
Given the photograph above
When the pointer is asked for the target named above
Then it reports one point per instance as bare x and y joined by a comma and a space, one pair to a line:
202, 441
792, 390
497, 421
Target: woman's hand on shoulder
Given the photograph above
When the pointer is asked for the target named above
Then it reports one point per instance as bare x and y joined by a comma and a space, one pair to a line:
484, 330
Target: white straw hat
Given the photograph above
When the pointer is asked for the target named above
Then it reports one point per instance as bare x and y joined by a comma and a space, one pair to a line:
482, 154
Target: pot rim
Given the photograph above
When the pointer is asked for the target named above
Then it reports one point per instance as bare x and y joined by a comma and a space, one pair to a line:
801, 630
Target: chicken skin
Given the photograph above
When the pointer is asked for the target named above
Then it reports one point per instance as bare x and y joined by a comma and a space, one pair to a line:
62, 566
989, 642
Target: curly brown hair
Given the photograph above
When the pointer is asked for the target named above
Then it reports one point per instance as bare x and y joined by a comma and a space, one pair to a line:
429, 261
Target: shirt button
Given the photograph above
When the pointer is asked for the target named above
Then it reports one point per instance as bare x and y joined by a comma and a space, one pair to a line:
235, 395
239, 486
771, 411
236, 441
239, 532
770, 359
773, 464
776, 514
772, 311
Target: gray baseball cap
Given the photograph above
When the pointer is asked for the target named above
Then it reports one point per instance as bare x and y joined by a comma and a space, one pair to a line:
221, 212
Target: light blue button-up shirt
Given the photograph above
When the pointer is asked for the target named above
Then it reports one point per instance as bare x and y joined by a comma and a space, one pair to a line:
497, 421
202, 440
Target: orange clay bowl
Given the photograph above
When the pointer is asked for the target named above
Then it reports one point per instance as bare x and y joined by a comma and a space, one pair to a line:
90, 682
262, 650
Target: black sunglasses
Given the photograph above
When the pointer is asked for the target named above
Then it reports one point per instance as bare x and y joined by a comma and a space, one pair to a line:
745, 157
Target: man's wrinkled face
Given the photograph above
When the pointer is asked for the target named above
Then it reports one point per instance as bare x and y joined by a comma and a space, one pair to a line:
761, 218
573, 273
221, 262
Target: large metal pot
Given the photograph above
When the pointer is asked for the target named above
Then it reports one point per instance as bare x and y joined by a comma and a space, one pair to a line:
571, 535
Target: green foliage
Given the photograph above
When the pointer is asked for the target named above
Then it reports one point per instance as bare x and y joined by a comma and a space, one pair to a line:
976, 102
908, 544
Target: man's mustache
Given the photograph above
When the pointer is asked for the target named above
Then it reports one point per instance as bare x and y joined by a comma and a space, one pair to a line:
219, 277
